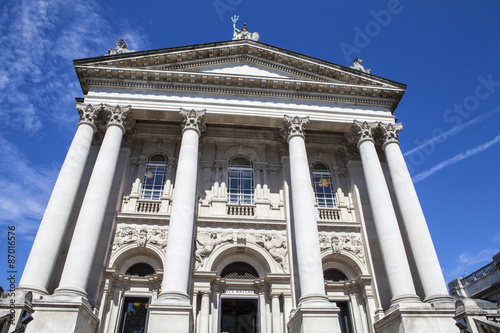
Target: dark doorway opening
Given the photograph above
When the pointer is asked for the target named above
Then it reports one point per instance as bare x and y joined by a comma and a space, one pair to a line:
238, 315
345, 317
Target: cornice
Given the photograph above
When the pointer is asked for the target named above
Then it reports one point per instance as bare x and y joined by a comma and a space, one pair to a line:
172, 69
251, 86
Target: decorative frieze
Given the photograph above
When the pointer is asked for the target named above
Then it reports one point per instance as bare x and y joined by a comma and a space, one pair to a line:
276, 246
339, 242
208, 241
139, 235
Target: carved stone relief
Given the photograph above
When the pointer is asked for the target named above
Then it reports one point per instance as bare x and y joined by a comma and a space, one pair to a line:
208, 241
140, 235
339, 242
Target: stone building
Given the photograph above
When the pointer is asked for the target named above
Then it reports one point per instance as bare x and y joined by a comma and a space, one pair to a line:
477, 298
234, 187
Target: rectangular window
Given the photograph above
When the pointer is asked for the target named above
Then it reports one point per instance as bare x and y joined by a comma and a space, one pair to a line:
154, 180
241, 187
134, 315
322, 183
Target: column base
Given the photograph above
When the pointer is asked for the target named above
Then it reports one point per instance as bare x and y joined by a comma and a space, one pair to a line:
63, 314
70, 292
412, 317
314, 318
165, 316
174, 298
440, 300
407, 298
37, 291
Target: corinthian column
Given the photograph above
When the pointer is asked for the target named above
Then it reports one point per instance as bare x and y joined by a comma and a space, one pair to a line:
50, 235
386, 224
314, 312
83, 245
418, 234
304, 215
181, 228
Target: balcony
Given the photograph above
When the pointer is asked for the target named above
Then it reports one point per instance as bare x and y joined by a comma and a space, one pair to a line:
240, 210
329, 214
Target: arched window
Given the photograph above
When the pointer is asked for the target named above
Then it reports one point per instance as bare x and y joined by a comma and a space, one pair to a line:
154, 177
240, 181
322, 182
239, 270
334, 275
140, 269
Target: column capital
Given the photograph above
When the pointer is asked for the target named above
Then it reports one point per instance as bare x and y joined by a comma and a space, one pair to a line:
118, 115
294, 126
193, 119
88, 113
391, 133
364, 131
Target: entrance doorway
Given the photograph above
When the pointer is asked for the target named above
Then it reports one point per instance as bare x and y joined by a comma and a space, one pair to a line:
238, 315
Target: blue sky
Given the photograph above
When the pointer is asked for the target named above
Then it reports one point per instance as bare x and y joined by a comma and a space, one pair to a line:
445, 51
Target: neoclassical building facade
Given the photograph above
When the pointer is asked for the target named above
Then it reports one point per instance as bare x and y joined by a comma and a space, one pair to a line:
234, 187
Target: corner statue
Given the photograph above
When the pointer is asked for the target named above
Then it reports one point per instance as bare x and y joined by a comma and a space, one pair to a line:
120, 48
243, 33
356, 64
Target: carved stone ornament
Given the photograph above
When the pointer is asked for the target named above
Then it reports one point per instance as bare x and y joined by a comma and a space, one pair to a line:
243, 33
390, 132
118, 115
294, 126
364, 131
120, 48
140, 235
193, 119
88, 112
356, 64
276, 246
208, 241
339, 242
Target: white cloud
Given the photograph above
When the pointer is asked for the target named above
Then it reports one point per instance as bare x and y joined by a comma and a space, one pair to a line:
467, 263
454, 131
39, 40
457, 158
25, 189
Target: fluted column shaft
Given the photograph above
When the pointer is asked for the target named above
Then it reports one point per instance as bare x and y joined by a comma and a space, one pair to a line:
51, 232
181, 228
310, 267
83, 245
417, 231
386, 224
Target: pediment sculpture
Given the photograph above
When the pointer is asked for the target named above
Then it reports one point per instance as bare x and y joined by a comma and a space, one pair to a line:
243, 33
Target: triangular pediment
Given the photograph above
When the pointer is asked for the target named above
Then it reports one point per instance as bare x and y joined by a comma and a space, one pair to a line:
244, 64
245, 69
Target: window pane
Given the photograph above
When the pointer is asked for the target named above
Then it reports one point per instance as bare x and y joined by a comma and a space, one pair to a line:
240, 180
322, 184
134, 315
154, 177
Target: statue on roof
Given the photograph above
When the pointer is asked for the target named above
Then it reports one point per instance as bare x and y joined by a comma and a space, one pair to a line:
120, 48
243, 33
356, 64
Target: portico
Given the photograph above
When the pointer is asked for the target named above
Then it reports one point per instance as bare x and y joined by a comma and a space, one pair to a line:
251, 195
